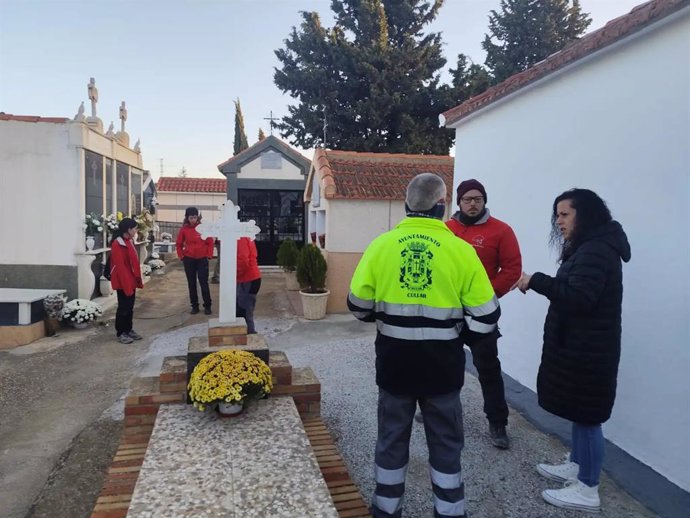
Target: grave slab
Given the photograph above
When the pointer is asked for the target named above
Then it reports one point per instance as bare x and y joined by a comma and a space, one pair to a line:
255, 465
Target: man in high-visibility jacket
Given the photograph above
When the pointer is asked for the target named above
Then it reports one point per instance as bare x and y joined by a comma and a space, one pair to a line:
422, 286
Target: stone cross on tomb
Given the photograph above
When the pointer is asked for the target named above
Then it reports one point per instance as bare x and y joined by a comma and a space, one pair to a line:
228, 229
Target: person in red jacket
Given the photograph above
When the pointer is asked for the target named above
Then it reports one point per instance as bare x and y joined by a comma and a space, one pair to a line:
194, 252
499, 252
125, 278
248, 281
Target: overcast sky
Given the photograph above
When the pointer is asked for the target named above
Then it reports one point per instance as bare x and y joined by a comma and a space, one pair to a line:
179, 64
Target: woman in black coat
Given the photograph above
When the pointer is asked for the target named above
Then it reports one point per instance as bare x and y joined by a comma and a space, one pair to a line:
582, 338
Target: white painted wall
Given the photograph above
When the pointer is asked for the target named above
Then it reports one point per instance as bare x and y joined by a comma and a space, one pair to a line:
253, 169
41, 203
182, 200
353, 224
42, 189
619, 123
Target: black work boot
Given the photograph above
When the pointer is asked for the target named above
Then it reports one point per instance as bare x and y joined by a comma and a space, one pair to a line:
194, 310
499, 437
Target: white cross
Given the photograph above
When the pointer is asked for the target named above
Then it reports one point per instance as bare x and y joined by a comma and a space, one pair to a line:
228, 229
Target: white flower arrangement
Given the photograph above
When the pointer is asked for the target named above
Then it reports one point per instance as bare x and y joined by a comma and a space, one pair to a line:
111, 221
166, 236
92, 224
156, 264
81, 311
146, 270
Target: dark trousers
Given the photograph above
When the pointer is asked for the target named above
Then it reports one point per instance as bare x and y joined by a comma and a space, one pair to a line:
125, 312
193, 269
445, 440
485, 358
246, 302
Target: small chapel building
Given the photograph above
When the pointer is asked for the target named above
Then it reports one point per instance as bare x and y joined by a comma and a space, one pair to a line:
267, 181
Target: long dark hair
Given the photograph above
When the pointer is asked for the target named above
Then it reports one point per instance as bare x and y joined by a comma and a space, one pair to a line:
123, 226
591, 212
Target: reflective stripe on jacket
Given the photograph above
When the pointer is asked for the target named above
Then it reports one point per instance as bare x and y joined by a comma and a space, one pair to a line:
422, 285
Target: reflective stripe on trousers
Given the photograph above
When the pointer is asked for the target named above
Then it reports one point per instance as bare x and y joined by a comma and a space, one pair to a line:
444, 435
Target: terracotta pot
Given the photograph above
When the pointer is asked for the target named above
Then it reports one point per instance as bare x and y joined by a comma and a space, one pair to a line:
52, 325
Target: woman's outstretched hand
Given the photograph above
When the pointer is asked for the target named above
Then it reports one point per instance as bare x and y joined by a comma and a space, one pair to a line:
523, 283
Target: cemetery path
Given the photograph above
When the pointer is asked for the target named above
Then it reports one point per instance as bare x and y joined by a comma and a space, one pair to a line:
61, 410
61, 401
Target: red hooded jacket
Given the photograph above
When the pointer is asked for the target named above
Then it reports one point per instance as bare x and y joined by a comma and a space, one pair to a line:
125, 273
496, 246
247, 267
190, 243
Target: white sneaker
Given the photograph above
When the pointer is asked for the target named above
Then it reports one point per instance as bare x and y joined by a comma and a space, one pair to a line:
559, 472
574, 495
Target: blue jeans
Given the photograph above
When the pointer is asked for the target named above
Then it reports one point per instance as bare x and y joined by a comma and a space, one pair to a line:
588, 452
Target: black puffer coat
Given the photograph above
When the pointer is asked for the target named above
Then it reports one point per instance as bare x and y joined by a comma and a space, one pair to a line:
582, 333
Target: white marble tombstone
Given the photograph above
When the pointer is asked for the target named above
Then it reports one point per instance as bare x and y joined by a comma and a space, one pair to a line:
228, 229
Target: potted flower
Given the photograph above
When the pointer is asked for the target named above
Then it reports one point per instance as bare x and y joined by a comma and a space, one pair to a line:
287, 260
81, 312
311, 274
53, 305
92, 226
166, 237
157, 266
145, 224
146, 270
229, 379
111, 222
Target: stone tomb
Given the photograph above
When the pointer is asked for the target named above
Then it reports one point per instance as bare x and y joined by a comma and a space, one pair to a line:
258, 464
22, 315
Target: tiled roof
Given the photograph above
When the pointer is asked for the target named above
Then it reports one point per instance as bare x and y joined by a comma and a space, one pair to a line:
374, 176
173, 184
31, 118
615, 30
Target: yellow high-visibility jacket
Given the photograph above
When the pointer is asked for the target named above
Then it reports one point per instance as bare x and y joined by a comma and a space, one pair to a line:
423, 286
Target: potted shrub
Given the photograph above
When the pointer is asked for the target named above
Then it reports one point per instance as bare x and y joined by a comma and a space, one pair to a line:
287, 260
311, 275
229, 379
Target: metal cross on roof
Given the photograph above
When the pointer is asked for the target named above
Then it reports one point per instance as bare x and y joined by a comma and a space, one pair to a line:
271, 118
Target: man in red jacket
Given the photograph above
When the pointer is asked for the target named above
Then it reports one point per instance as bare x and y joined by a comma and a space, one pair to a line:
499, 252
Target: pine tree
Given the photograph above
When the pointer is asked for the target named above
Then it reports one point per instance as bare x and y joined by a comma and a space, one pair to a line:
240, 135
525, 32
469, 79
262, 135
372, 79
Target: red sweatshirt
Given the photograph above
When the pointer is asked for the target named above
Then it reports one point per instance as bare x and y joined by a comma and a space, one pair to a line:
190, 244
125, 273
497, 248
247, 267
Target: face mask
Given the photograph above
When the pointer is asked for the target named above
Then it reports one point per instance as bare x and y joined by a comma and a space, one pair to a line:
437, 211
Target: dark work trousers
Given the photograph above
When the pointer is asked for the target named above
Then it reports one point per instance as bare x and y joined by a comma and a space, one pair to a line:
246, 302
194, 268
125, 312
444, 439
485, 358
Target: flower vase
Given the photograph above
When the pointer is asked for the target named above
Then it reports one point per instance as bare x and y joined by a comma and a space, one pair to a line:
230, 409
90, 242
